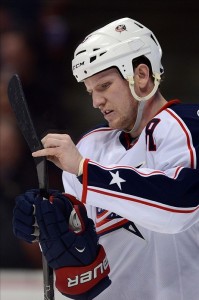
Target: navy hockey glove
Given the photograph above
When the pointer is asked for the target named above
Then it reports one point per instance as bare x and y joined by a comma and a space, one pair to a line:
70, 244
24, 221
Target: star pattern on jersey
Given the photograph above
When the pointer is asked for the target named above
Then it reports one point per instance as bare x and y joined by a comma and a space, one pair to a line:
116, 179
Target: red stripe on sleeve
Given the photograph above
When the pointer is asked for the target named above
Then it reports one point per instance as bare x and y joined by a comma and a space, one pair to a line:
85, 180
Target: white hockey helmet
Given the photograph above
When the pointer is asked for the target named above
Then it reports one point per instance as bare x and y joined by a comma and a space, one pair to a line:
116, 45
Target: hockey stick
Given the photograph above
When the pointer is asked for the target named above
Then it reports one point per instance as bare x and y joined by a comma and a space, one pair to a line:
18, 103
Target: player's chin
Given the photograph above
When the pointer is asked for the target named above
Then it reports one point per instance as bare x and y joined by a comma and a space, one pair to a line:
115, 125
112, 124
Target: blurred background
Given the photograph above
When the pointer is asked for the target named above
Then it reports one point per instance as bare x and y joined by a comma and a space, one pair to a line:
37, 41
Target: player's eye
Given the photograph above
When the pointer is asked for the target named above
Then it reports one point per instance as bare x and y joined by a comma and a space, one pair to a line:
105, 85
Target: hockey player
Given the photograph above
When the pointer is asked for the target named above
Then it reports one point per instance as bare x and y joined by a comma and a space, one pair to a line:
137, 176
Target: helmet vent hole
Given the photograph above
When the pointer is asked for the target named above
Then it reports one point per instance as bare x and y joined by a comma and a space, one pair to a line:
102, 53
95, 49
85, 71
154, 39
80, 52
92, 58
139, 25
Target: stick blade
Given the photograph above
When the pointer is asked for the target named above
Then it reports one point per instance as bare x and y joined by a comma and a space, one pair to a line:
20, 108
19, 105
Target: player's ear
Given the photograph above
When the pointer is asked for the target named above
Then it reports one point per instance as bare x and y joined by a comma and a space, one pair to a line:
142, 76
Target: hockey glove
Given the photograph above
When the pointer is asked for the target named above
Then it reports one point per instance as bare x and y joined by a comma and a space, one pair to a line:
68, 240
24, 221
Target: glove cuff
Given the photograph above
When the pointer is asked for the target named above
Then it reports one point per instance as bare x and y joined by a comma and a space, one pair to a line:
78, 280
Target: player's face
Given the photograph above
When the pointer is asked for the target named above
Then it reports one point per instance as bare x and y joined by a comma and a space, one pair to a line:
111, 94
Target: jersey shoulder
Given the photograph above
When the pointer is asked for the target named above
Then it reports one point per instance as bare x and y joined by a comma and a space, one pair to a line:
189, 114
180, 120
186, 110
179, 112
101, 132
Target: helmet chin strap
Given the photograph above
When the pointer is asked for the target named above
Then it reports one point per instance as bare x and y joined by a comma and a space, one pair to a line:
142, 100
141, 105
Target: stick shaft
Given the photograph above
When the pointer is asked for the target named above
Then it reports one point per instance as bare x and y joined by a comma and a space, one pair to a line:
18, 102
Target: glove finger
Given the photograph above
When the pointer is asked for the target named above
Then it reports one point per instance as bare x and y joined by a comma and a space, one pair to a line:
29, 220
25, 237
64, 204
46, 220
24, 206
19, 225
24, 232
30, 195
40, 221
62, 213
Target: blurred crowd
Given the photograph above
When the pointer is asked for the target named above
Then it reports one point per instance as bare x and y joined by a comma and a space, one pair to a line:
33, 44
36, 43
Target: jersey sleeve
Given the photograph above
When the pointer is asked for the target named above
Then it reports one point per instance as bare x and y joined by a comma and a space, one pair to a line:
165, 202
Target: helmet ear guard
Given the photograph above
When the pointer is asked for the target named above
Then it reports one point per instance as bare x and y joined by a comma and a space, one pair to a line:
157, 79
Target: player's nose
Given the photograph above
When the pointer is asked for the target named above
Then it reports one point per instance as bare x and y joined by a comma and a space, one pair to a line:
98, 100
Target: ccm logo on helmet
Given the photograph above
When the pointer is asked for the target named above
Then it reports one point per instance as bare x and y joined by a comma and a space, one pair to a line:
90, 275
78, 65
